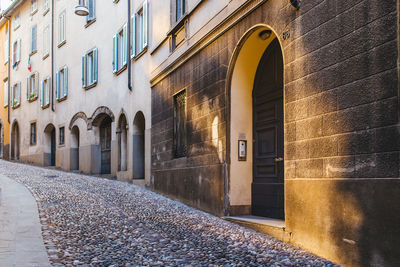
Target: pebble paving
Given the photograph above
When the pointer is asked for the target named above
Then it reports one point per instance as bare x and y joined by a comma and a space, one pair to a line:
92, 221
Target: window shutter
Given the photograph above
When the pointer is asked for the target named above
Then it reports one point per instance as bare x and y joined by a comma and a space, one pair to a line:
91, 7
36, 84
115, 53
6, 48
32, 39
19, 93
48, 90
145, 22
65, 89
19, 50
42, 94
28, 87
135, 35
84, 58
35, 38
12, 96
95, 64
57, 86
6, 94
125, 45
12, 54
132, 36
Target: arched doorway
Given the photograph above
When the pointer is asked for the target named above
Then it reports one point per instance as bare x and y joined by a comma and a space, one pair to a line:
255, 84
49, 145
122, 133
75, 143
105, 145
15, 141
138, 146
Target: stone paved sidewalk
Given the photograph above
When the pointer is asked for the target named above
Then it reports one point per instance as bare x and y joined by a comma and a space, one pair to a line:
92, 221
21, 242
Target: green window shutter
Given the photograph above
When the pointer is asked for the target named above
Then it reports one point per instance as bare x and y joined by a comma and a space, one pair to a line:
57, 86
92, 10
36, 84
28, 87
19, 93
6, 94
145, 23
19, 50
48, 91
12, 55
115, 54
125, 46
65, 91
84, 71
95, 64
132, 36
135, 36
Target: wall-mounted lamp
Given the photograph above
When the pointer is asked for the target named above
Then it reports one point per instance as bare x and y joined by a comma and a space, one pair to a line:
81, 9
296, 3
265, 34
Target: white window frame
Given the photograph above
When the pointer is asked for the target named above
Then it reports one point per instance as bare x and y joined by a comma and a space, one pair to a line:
17, 22
62, 84
62, 21
120, 58
34, 35
46, 7
16, 53
45, 93
32, 86
90, 68
140, 29
34, 6
16, 95
46, 41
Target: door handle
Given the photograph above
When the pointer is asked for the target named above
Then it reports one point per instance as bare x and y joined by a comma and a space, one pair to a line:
278, 159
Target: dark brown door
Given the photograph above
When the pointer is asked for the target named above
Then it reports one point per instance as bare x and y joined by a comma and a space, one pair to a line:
105, 145
268, 173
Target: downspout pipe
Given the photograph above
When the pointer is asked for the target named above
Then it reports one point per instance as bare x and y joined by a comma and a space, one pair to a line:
128, 52
52, 55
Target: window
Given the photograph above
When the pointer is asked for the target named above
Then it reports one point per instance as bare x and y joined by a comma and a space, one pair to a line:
46, 41
180, 9
33, 6
33, 39
62, 84
180, 124
92, 11
89, 68
33, 134
32, 86
62, 135
119, 50
16, 22
139, 29
45, 93
61, 28
6, 94
16, 95
16, 52
46, 7
6, 50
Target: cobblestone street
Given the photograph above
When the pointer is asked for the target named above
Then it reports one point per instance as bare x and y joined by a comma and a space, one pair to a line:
100, 222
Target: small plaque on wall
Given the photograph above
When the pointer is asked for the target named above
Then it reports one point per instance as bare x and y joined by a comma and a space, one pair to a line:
242, 150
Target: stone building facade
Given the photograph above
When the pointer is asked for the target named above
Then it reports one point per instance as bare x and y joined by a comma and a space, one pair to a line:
73, 107
4, 112
290, 114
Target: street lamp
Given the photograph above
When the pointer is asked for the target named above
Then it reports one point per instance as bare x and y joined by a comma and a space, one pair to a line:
81, 9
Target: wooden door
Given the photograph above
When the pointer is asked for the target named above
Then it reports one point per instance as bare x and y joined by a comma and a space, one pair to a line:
268, 172
105, 146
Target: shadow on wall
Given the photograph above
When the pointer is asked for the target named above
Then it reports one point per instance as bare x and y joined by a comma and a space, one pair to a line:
342, 125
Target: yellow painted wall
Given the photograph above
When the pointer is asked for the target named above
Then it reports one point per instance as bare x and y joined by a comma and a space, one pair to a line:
3, 78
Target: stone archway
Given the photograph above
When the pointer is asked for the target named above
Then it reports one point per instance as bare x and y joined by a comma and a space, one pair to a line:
49, 145
122, 133
253, 177
15, 141
138, 146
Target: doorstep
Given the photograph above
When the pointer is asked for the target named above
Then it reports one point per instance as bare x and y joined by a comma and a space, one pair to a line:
269, 226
